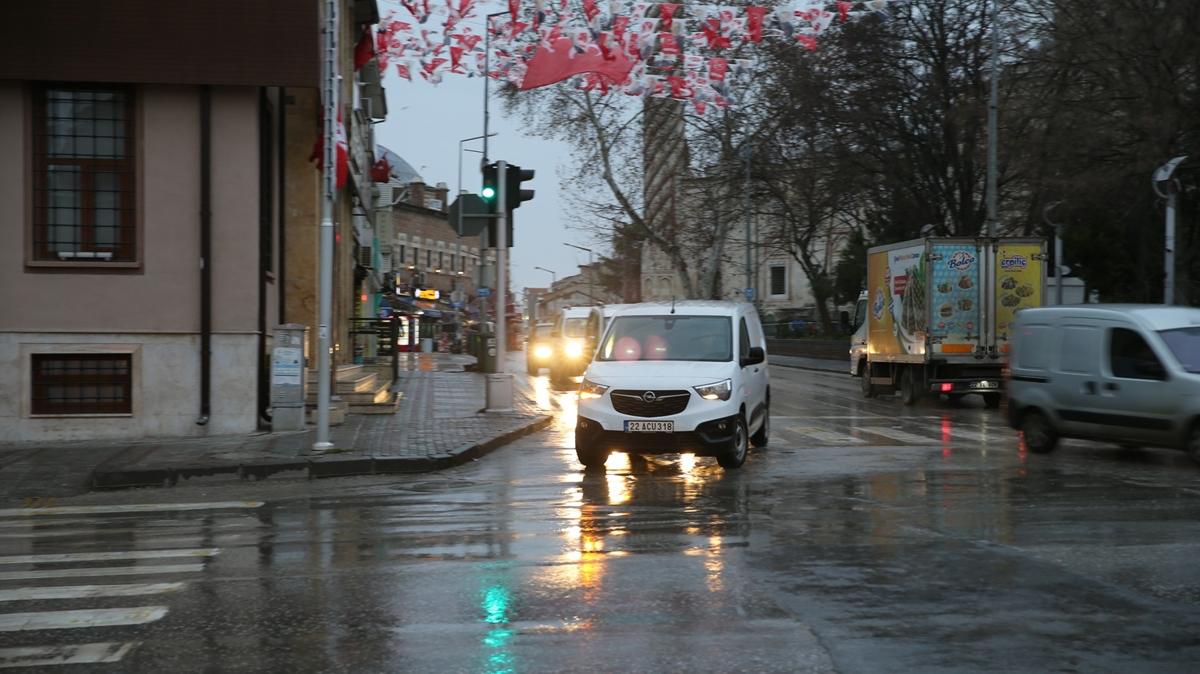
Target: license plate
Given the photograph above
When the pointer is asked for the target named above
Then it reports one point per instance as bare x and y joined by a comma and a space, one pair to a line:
985, 384
649, 426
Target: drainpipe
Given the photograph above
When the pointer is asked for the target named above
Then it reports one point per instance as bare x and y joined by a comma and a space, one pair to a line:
264, 242
205, 254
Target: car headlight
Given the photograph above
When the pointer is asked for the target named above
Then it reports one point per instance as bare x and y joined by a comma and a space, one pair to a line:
574, 349
542, 351
590, 390
716, 391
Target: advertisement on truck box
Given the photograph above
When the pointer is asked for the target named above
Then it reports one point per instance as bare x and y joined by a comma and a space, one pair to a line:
1019, 284
898, 316
955, 321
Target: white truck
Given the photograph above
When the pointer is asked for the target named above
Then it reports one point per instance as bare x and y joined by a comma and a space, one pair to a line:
936, 314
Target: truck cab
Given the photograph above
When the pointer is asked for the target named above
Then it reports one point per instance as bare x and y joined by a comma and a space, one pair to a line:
858, 339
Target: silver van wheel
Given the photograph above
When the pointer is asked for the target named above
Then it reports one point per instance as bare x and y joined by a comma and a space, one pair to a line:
1193, 443
1039, 435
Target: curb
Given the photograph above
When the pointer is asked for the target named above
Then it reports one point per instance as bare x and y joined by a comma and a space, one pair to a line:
809, 368
315, 467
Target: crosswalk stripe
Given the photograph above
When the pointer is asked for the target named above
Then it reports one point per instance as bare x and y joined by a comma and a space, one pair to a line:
896, 434
827, 436
72, 654
88, 617
101, 571
88, 591
108, 556
129, 508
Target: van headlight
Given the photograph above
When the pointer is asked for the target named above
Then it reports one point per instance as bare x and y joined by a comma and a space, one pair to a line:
542, 352
590, 390
717, 391
574, 349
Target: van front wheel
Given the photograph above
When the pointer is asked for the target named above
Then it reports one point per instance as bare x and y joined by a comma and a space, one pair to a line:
1039, 435
1193, 442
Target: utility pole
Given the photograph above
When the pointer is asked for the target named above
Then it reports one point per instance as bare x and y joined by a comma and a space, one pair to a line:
750, 292
993, 124
325, 282
1166, 186
1058, 252
487, 69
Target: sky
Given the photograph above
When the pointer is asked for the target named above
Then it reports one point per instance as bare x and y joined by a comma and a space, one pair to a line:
424, 125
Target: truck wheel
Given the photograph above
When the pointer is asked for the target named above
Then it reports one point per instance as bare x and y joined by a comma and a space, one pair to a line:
1039, 435
864, 377
909, 394
992, 400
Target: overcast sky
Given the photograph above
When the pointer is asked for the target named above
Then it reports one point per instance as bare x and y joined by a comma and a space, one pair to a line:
424, 126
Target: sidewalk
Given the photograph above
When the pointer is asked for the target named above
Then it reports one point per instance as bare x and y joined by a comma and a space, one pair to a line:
805, 363
439, 424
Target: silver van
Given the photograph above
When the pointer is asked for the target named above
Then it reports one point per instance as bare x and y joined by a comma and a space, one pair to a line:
1127, 374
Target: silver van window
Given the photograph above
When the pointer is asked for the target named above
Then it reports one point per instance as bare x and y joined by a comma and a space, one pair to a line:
1184, 344
1130, 357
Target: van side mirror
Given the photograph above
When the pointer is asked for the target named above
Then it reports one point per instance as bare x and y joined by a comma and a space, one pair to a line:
756, 356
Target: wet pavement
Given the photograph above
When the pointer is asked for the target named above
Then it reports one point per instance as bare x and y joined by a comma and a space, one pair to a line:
868, 537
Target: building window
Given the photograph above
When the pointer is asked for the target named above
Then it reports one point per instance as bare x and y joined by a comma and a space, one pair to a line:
428, 258
83, 174
441, 260
778, 281
403, 254
416, 256
453, 263
82, 383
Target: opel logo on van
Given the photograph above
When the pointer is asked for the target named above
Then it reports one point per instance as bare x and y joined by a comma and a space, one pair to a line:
649, 396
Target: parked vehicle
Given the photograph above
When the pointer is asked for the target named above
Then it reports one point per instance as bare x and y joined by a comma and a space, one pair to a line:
677, 377
938, 315
539, 349
1128, 374
576, 332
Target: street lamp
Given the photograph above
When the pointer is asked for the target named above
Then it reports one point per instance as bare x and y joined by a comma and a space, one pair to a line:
553, 275
1058, 251
591, 271
1166, 186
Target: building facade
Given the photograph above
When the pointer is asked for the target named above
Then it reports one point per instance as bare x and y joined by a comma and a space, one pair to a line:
151, 205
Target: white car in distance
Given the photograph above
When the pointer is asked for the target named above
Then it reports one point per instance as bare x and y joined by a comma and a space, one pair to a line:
676, 377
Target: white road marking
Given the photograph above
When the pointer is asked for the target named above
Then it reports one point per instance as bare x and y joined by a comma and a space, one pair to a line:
108, 556
74, 654
88, 591
130, 508
896, 434
88, 617
102, 571
827, 436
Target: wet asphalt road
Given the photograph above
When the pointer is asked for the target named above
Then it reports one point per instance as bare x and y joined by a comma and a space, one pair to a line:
869, 537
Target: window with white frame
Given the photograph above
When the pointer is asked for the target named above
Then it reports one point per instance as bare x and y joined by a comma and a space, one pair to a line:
777, 281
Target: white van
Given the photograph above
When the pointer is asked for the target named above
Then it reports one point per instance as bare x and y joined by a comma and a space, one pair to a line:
1128, 374
575, 333
674, 377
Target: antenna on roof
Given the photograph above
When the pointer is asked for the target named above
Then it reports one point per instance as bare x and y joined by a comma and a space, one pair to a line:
672, 304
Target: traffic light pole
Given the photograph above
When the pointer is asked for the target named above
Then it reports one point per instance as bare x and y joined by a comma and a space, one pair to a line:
501, 265
329, 193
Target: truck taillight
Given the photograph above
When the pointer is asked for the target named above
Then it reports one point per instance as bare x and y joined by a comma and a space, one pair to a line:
947, 387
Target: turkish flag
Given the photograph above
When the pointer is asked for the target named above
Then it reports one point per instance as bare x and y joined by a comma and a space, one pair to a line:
343, 151
365, 49
562, 60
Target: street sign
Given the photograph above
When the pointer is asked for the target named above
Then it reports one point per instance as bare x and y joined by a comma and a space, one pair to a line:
484, 292
469, 214
749, 294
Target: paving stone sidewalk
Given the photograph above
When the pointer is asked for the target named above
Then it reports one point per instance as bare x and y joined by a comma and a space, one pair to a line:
440, 423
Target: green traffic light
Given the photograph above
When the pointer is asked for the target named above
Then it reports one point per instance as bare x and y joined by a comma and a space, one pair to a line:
488, 192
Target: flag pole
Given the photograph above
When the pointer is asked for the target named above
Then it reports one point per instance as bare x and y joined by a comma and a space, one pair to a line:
329, 193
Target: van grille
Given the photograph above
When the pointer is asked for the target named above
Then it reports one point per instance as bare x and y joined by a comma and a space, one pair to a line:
663, 403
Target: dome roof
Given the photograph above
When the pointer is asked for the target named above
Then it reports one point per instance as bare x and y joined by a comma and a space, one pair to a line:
402, 171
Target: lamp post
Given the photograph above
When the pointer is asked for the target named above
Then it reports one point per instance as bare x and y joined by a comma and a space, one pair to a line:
553, 275
591, 271
330, 79
1166, 186
1058, 251
487, 76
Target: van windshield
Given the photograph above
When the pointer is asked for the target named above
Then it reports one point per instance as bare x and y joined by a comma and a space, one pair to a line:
575, 327
697, 338
1185, 346
544, 330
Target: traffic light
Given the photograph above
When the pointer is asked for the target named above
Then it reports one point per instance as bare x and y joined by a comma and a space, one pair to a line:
490, 185
513, 193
